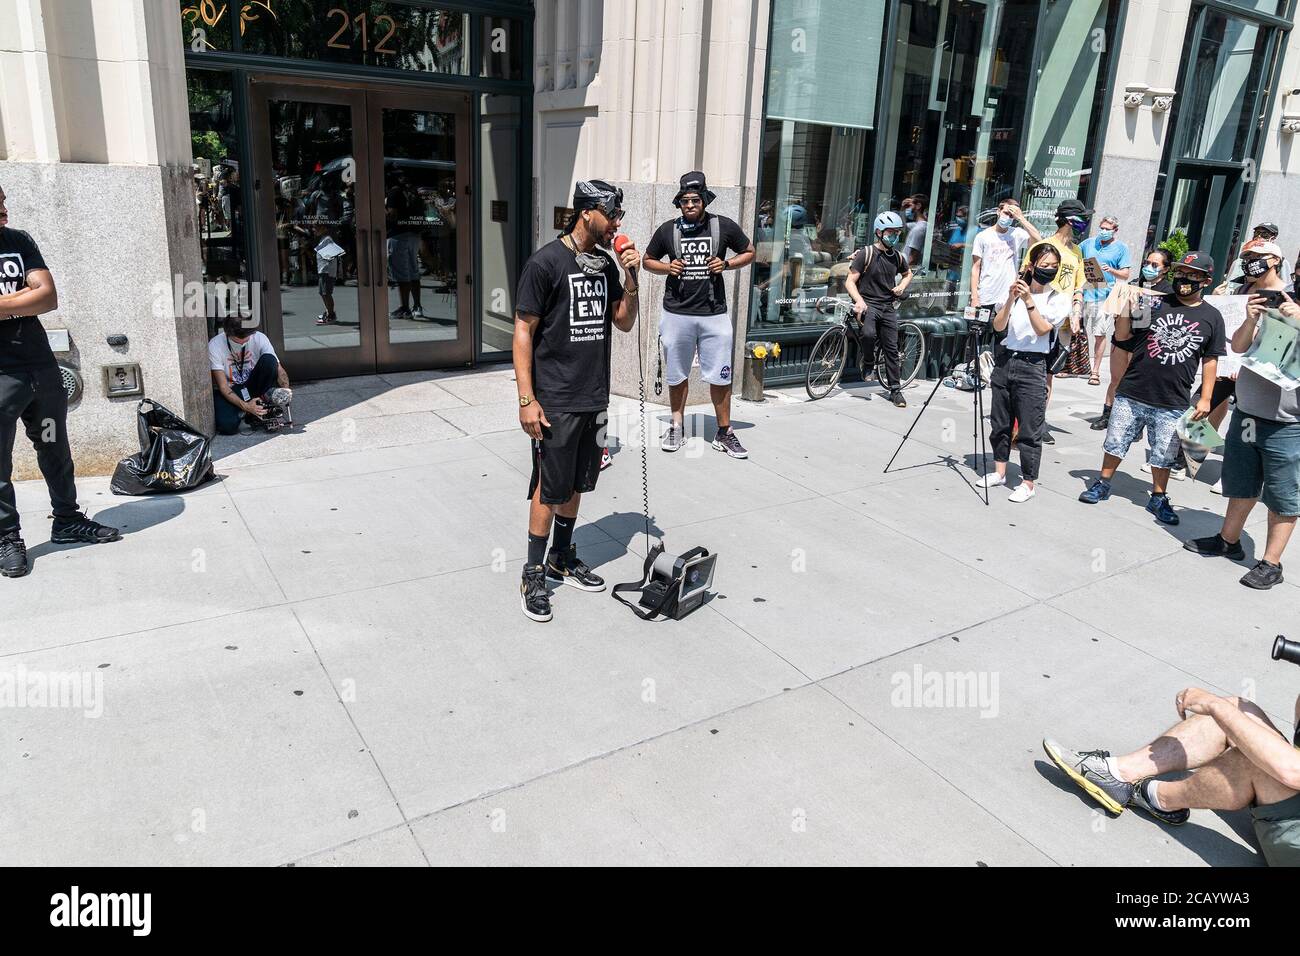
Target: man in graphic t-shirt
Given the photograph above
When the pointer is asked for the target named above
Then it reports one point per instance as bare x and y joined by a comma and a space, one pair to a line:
570, 294
695, 317
31, 389
1180, 336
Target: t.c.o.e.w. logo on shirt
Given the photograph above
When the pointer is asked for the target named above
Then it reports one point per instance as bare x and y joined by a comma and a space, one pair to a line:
696, 254
588, 299
13, 276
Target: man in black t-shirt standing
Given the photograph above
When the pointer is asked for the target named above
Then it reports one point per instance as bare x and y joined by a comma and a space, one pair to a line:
1170, 343
570, 293
875, 288
31, 389
694, 317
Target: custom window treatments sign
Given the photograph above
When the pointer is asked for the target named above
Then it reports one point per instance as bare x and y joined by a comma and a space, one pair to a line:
824, 59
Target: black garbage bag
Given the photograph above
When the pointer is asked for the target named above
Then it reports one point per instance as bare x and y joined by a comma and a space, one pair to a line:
173, 456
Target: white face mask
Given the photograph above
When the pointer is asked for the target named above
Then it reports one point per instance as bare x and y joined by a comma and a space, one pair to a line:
1006, 222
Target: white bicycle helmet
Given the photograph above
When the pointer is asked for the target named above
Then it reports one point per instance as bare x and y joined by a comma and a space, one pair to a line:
888, 220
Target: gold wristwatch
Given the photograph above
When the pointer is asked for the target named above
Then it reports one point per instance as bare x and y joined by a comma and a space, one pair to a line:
525, 401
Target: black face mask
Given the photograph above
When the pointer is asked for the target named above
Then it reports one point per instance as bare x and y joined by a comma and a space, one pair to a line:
1045, 275
1255, 268
1185, 288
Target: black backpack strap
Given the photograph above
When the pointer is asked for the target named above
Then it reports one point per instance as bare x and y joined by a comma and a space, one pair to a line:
677, 240
639, 586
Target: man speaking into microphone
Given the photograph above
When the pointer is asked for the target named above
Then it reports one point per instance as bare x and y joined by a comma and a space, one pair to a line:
570, 292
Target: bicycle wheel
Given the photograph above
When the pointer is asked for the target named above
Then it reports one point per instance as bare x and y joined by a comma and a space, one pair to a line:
911, 352
911, 355
826, 362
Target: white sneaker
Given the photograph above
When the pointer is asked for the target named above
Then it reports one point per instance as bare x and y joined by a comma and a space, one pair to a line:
1021, 492
1217, 487
991, 480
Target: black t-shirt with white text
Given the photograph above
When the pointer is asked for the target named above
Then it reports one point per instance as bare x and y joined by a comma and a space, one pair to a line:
876, 281
695, 291
23, 342
572, 340
1167, 354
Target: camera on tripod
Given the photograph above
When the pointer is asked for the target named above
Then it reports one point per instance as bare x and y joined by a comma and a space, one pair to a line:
1284, 650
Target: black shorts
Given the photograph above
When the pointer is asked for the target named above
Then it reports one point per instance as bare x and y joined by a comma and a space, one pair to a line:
567, 459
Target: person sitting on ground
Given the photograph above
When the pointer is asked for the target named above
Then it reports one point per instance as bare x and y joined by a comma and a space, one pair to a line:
249, 384
1181, 334
1239, 760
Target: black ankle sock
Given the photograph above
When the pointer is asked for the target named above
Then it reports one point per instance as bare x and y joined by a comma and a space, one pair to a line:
562, 536
536, 549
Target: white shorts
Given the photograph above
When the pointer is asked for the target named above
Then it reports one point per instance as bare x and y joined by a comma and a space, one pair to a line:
682, 335
1097, 320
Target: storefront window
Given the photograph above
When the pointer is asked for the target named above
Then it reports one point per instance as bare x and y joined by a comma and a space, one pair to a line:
1219, 107
818, 146
215, 141
1075, 40
503, 48
935, 129
205, 25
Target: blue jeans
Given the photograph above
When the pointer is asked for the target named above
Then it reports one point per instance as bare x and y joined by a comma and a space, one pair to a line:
1263, 464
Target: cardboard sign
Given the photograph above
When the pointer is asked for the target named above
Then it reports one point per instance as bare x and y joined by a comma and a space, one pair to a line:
1092, 271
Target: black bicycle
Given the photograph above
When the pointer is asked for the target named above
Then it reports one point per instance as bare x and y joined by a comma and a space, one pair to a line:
831, 353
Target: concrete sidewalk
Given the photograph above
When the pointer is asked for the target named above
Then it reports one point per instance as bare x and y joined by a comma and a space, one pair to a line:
320, 659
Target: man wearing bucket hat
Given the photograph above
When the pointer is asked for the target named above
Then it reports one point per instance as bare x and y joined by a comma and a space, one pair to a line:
1182, 334
694, 318
570, 293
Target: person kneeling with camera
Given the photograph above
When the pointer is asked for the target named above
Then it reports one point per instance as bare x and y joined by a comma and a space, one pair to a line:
1240, 760
1029, 318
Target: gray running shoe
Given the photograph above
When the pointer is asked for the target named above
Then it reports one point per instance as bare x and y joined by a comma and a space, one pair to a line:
1175, 818
672, 439
1088, 770
728, 442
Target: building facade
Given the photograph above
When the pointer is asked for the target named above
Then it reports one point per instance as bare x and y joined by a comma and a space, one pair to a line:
180, 159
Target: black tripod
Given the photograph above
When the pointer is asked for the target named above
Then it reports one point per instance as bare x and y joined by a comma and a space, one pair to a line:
970, 354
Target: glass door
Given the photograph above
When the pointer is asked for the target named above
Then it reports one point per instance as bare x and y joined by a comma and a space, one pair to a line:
419, 152
362, 202
312, 231
1204, 203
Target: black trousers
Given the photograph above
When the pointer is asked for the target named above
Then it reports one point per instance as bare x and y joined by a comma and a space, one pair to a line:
260, 381
1019, 384
36, 397
881, 322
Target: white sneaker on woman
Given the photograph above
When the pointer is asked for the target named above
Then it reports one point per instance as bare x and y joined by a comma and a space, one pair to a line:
991, 480
1021, 492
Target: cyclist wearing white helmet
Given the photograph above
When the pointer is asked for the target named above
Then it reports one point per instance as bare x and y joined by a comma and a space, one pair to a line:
875, 288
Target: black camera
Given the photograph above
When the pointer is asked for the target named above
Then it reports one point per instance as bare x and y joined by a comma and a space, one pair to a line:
1284, 650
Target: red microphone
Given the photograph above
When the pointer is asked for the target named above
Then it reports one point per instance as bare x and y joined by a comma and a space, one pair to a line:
621, 242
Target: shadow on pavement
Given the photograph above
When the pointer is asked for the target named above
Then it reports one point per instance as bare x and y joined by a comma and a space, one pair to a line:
1210, 845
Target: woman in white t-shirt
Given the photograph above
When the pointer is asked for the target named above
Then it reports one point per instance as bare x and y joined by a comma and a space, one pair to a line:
1030, 317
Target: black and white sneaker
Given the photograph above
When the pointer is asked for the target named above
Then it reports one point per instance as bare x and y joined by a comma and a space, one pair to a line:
13, 556
672, 439
1174, 818
896, 396
728, 442
81, 530
567, 568
533, 596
